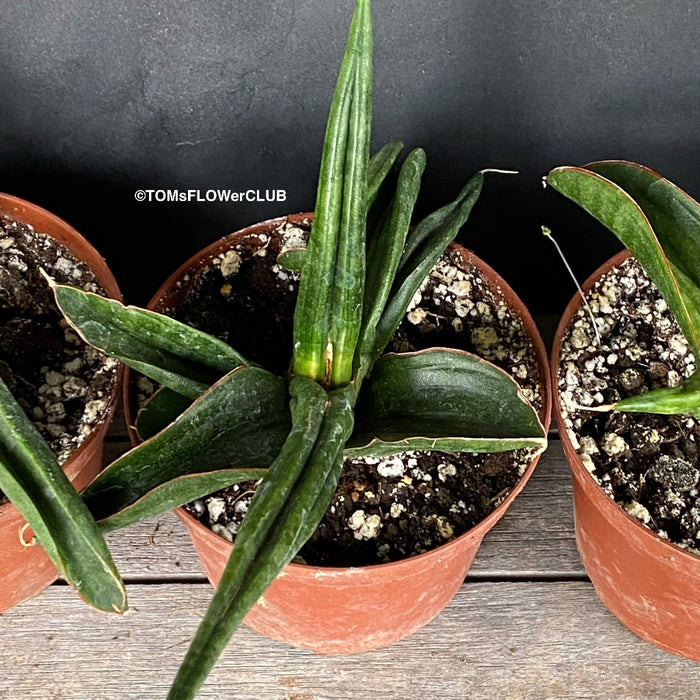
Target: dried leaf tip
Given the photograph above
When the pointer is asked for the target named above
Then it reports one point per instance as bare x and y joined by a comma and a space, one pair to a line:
49, 280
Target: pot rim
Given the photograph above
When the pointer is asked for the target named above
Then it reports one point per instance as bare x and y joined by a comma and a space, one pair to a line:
579, 471
24, 211
498, 283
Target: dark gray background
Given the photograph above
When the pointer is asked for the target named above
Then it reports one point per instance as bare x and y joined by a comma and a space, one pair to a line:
100, 98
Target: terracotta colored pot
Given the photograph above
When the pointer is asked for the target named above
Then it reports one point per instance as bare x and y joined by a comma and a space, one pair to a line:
347, 610
649, 584
26, 571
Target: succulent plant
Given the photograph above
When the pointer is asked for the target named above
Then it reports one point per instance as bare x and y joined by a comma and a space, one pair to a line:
32, 478
218, 420
660, 224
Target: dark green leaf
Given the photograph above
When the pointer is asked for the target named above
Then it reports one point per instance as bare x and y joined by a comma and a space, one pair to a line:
177, 492
240, 422
615, 209
160, 411
384, 253
435, 234
434, 223
237, 592
442, 399
173, 354
675, 219
349, 274
380, 166
673, 214
311, 317
33, 480
292, 259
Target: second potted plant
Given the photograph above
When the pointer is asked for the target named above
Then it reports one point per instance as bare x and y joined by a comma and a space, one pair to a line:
57, 397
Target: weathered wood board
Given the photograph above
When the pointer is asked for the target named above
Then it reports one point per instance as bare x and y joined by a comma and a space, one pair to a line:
526, 625
506, 640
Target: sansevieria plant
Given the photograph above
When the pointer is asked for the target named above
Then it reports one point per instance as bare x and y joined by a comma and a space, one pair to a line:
218, 419
660, 225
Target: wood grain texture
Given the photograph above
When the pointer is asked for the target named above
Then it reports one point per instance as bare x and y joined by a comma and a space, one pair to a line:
507, 640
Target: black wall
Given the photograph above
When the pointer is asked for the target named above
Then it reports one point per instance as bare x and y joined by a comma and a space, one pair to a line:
98, 99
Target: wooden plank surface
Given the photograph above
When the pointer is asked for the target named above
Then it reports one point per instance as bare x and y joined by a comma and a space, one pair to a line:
495, 640
526, 625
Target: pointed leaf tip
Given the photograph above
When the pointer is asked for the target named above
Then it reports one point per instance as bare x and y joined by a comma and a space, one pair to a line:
33, 480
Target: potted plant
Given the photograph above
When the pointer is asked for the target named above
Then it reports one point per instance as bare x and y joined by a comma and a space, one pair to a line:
369, 592
628, 402
65, 394
218, 419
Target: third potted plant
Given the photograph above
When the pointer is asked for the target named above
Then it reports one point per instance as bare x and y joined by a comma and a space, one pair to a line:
628, 402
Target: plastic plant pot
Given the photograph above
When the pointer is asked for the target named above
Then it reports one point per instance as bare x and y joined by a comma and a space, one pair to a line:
336, 610
25, 570
651, 585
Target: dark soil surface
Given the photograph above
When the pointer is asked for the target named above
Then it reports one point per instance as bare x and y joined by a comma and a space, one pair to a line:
62, 384
648, 463
390, 508
247, 300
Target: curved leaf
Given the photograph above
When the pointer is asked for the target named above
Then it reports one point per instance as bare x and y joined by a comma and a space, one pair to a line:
241, 421
34, 481
673, 214
384, 253
380, 166
366, 446
172, 353
442, 399
675, 219
434, 223
618, 211
177, 492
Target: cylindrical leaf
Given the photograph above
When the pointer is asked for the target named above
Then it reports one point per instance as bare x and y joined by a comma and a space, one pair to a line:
311, 316
265, 520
